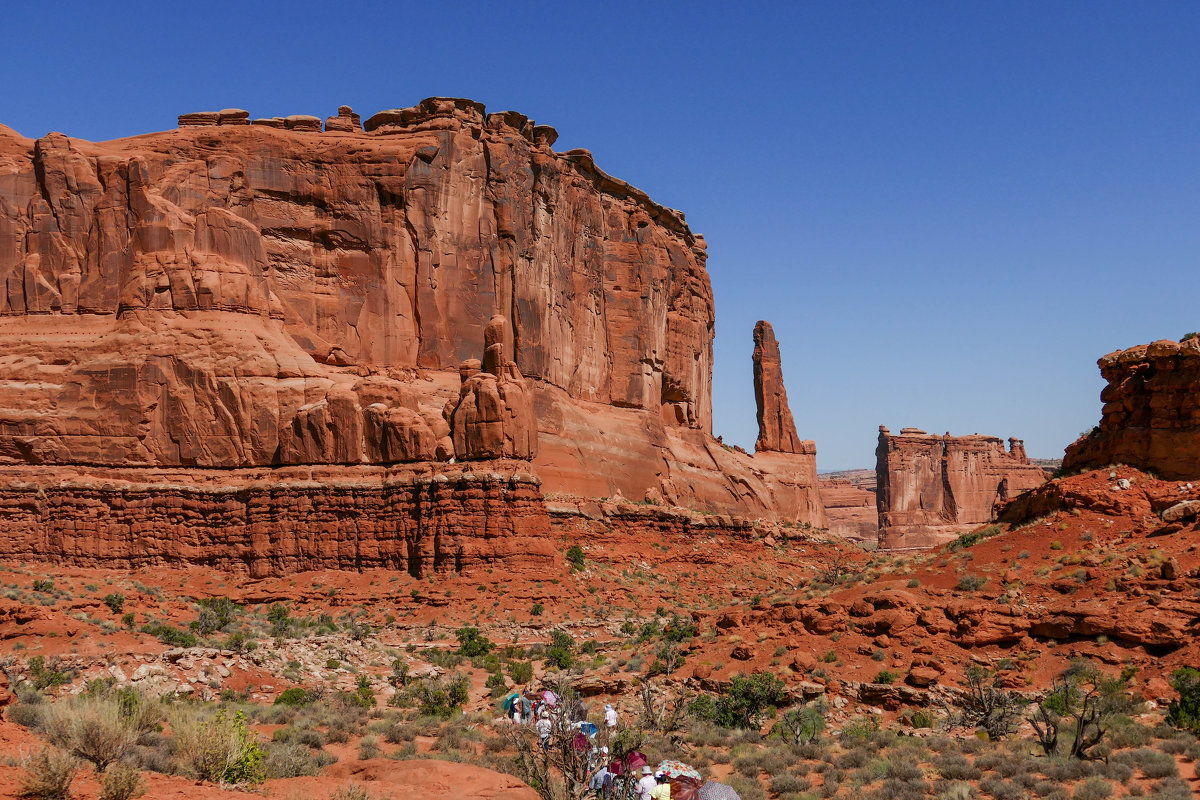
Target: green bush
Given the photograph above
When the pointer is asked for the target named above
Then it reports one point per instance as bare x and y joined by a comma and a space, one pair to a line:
43, 675
472, 643
91, 727
45, 587
170, 635
441, 697
680, 629
576, 557
745, 703
885, 677
280, 618
521, 672
971, 583
295, 696
220, 748
1184, 711
560, 653
115, 602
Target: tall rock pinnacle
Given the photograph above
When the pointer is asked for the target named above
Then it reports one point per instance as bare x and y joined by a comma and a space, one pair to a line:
776, 430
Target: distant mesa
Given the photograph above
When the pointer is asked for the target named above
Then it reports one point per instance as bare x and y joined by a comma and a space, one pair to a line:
931, 488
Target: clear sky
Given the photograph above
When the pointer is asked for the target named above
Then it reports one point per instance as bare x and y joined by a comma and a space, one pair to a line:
948, 210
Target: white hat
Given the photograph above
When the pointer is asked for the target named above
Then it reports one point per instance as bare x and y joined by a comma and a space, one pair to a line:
604, 750
608, 706
647, 771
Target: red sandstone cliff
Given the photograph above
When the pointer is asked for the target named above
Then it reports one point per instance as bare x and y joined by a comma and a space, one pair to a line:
931, 488
1151, 416
776, 429
432, 285
849, 500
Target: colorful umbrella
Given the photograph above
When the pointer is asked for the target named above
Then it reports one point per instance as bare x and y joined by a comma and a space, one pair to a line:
711, 790
634, 759
677, 769
550, 697
588, 728
508, 701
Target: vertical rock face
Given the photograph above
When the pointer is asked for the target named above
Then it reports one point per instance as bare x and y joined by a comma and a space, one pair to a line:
930, 488
493, 416
1151, 416
849, 500
263, 294
776, 430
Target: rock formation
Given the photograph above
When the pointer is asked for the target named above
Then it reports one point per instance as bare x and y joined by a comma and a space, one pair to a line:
260, 522
493, 415
932, 488
248, 296
776, 430
849, 500
1151, 416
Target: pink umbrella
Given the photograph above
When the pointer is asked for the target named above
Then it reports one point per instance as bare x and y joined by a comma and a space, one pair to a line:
635, 760
550, 697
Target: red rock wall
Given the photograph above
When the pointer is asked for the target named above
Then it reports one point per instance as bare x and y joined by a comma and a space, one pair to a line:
931, 488
1151, 416
271, 522
850, 506
235, 295
776, 429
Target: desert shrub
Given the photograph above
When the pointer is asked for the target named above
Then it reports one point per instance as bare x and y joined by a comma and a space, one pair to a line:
854, 758
1124, 732
170, 635
219, 748
971, 583
368, 748
1184, 711
680, 629
497, 684
92, 728
885, 677
440, 697
1151, 763
289, 760
472, 643
280, 618
954, 791
575, 557
521, 672
893, 789
800, 725
215, 614
1171, 789
295, 696
748, 788
1066, 770
1094, 788
48, 775
560, 653
45, 674
121, 782
747, 700
858, 730
789, 784
1001, 789
115, 602
29, 711
351, 791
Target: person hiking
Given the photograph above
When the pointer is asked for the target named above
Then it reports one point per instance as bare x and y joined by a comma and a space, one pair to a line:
610, 723
647, 784
663, 790
543, 727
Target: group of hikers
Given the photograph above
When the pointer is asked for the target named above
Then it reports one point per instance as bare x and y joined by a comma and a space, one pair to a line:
627, 777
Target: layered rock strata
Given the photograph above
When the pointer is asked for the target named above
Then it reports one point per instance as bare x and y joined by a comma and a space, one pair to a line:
932, 488
421, 520
231, 296
1151, 415
849, 500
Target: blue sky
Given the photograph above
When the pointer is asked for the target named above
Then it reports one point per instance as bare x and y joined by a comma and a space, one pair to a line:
948, 211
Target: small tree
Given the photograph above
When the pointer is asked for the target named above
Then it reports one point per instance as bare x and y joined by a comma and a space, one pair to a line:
1184, 711
1080, 704
472, 643
802, 725
662, 711
986, 705
576, 557
48, 775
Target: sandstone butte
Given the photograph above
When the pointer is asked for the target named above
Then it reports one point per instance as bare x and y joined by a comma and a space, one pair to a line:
265, 346
932, 488
1150, 419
